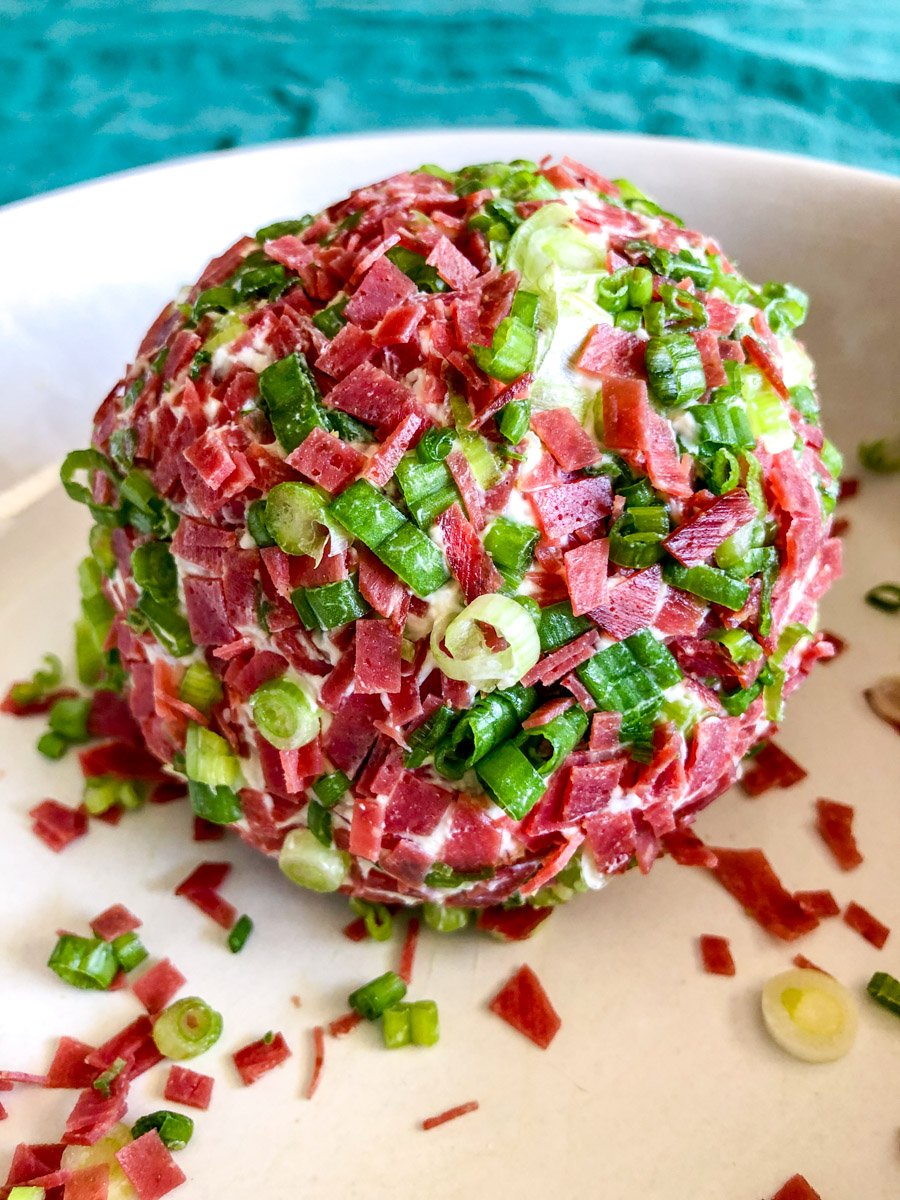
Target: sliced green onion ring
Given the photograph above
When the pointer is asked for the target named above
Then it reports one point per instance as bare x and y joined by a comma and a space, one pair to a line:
295, 517
311, 865
810, 1014
284, 714
187, 1028
467, 656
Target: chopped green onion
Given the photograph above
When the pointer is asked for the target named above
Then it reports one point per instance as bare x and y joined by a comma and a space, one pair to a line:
270, 233
377, 917
240, 931
739, 643
425, 277
200, 688
425, 737
284, 714
69, 718
885, 596
374, 998
737, 702
511, 546
785, 306
723, 424
219, 805
473, 445
468, 657
100, 542
331, 320
26, 1193
144, 508
630, 546
100, 794
415, 559
547, 746
613, 291
619, 683
256, 524
292, 400
318, 821
329, 789
52, 745
510, 779
511, 353
709, 583
675, 370
209, 759
435, 445
123, 446
309, 864
366, 513
885, 990
395, 1027
214, 299
104, 1081
129, 950
332, 604
724, 472
167, 625
832, 458
45, 679
810, 1014
155, 572
882, 455
88, 461
295, 517
424, 484
443, 919
347, 427
423, 1023
174, 1129
187, 1028
84, 962
655, 658
490, 720
558, 625
513, 420
443, 876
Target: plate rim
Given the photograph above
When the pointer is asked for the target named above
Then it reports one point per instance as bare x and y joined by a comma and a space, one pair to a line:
759, 154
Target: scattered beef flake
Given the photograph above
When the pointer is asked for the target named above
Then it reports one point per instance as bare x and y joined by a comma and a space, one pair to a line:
184, 1086
56, 825
408, 952
255, 1060
201, 889
748, 876
356, 931
33, 708
318, 1034
770, 768
688, 850
343, 1025
524, 1004
840, 527
512, 924
849, 487
838, 644
450, 1115
806, 964
820, 903
834, 822
3, 1113
90, 1183
716, 954
156, 987
150, 1168
866, 925
114, 922
68, 1068
32, 1161
797, 1188
206, 875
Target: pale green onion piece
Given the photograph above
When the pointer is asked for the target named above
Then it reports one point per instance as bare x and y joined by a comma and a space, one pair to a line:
810, 1014
311, 865
209, 759
467, 656
103, 1154
444, 920
187, 1028
424, 1025
284, 714
766, 411
200, 688
295, 517
26, 1193
473, 445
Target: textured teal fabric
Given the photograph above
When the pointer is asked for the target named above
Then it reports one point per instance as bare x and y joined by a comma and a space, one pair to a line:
93, 86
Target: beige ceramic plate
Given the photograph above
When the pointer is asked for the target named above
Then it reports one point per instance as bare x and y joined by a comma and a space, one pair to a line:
662, 1083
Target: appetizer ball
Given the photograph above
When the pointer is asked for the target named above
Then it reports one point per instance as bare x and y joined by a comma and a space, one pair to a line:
455, 544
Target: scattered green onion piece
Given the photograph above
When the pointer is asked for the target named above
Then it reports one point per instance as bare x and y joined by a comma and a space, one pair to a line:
52, 745
366, 513
220, 804
655, 658
89, 657
810, 1014
155, 572
613, 291
832, 458
270, 233
476, 449
100, 794
122, 447
374, 998
329, 789
511, 353
424, 738
377, 917
333, 604
104, 1081
514, 419
187, 1028
331, 320
395, 1027
737, 702
86, 963
885, 596
309, 864
88, 461
785, 306
709, 583
69, 718
27, 1192
511, 546
423, 1023
467, 656
630, 547
558, 625
739, 643
881, 456
45, 679
723, 424
425, 277
675, 370
240, 931
618, 683
347, 427
167, 625
318, 821
214, 299
427, 488
415, 559
256, 524
100, 542
292, 400
724, 472
443, 919
284, 714
435, 445
200, 688
490, 721
295, 517
268, 280
547, 746
885, 990
209, 759
174, 1129
511, 780
129, 950
443, 876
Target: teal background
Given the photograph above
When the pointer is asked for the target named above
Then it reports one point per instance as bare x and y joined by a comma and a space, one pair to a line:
93, 86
